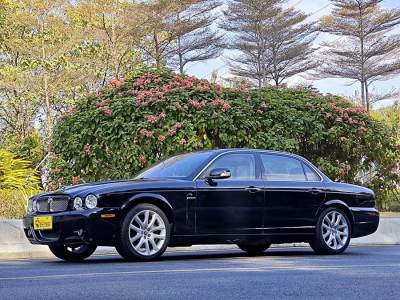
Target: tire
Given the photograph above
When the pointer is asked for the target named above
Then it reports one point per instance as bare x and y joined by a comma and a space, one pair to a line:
333, 232
254, 249
144, 233
73, 253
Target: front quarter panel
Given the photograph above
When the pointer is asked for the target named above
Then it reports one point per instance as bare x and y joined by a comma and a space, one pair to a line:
175, 198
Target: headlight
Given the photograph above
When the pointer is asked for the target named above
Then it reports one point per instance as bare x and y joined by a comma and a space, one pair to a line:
78, 203
91, 201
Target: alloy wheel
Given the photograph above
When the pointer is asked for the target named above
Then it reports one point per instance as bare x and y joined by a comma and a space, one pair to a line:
147, 232
335, 230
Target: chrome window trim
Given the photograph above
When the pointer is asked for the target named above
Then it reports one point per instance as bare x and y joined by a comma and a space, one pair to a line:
211, 161
264, 152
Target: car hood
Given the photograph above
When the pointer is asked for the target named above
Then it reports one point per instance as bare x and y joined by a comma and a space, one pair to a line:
112, 186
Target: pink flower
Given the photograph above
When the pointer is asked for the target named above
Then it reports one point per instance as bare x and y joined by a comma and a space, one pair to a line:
87, 148
226, 106
178, 106
339, 119
343, 139
51, 187
152, 119
161, 138
341, 172
163, 115
178, 125
76, 179
362, 129
106, 110
142, 160
182, 142
146, 133
172, 131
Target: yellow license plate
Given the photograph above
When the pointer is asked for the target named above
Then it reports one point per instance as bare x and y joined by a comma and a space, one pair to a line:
43, 223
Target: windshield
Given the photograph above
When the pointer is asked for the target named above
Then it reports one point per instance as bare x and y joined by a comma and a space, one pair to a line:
179, 166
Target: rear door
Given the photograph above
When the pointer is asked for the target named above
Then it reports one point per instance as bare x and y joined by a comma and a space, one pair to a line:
233, 205
293, 193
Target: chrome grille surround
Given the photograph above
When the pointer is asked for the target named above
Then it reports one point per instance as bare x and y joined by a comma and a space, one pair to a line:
52, 203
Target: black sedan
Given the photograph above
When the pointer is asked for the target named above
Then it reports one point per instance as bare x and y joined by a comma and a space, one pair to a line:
251, 198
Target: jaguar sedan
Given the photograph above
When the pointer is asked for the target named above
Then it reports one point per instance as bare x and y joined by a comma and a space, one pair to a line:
251, 198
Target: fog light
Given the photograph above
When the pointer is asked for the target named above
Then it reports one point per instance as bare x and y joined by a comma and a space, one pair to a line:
78, 203
91, 201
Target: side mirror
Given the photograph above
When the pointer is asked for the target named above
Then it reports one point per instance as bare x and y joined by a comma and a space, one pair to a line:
219, 173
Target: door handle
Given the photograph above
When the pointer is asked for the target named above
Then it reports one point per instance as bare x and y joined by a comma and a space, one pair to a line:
252, 189
315, 191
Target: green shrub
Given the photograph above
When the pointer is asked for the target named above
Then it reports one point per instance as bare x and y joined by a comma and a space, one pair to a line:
18, 182
16, 173
151, 115
13, 203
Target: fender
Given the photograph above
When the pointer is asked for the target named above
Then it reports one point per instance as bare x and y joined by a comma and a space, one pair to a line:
338, 203
150, 196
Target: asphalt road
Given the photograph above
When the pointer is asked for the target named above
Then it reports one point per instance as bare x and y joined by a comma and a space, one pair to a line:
371, 272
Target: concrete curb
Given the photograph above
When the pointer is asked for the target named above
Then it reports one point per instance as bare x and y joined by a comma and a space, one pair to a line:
14, 245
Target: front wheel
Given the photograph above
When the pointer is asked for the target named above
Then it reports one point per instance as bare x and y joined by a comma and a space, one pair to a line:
73, 253
254, 249
333, 232
144, 233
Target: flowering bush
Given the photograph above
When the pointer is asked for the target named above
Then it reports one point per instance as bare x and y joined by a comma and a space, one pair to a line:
151, 115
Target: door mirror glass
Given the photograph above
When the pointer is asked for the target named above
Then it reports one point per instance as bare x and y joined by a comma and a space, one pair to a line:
219, 173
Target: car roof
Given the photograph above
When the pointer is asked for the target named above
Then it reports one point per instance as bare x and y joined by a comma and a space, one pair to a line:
251, 150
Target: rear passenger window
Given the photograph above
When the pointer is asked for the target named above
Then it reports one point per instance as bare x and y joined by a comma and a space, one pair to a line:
282, 168
311, 174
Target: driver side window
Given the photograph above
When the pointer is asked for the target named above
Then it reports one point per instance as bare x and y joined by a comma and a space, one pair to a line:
242, 166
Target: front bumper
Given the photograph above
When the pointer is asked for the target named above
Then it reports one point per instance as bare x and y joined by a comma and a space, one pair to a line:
366, 221
75, 227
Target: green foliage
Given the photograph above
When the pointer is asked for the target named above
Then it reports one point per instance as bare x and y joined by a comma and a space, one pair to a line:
29, 148
15, 173
133, 123
18, 182
13, 203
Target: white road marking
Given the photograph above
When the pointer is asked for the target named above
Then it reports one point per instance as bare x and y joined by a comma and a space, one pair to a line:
237, 269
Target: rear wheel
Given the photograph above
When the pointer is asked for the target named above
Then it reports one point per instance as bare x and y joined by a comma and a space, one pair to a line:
144, 234
254, 249
333, 232
73, 253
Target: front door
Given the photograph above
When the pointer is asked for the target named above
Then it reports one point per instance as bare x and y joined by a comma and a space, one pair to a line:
233, 205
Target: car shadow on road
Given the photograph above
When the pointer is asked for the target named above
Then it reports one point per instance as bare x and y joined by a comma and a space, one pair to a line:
192, 256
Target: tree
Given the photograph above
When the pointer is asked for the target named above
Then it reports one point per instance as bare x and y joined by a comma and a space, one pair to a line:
37, 59
109, 31
195, 40
289, 48
274, 43
156, 44
366, 53
248, 20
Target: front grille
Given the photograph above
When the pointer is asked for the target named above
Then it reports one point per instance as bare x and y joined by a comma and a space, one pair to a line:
52, 203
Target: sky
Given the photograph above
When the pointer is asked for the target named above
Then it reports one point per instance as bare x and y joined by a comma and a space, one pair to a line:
316, 9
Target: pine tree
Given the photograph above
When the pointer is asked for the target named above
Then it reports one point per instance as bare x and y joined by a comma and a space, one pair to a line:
196, 40
273, 43
364, 52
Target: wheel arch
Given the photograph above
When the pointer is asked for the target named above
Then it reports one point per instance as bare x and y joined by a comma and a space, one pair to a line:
339, 204
150, 198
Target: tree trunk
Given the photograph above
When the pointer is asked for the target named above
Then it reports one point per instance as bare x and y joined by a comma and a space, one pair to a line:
366, 96
157, 51
362, 94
